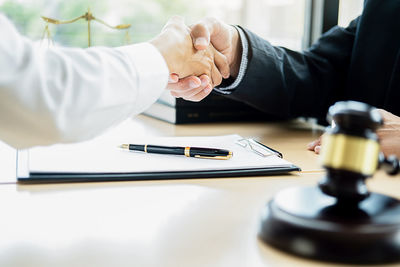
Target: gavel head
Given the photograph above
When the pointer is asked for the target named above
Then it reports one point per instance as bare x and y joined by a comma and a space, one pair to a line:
350, 150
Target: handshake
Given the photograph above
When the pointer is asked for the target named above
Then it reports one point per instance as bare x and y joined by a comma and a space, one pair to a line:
198, 57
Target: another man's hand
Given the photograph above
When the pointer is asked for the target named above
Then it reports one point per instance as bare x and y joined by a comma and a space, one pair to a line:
183, 60
315, 145
225, 39
389, 135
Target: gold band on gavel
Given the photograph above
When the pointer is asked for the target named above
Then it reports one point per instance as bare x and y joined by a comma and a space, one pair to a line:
350, 153
187, 151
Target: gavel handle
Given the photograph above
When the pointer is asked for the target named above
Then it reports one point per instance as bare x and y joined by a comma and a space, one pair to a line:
390, 164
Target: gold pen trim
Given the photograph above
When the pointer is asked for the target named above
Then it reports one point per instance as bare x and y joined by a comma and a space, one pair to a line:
145, 148
187, 151
124, 146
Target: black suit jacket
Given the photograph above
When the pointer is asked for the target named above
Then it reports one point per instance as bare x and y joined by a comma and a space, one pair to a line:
360, 62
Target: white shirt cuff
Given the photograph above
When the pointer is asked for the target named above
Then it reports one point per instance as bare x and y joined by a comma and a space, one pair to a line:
152, 72
243, 65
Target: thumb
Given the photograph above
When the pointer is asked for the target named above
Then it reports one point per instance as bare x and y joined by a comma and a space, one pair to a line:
201, 33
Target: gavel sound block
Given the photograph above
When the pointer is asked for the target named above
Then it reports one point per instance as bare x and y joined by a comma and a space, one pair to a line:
340, 220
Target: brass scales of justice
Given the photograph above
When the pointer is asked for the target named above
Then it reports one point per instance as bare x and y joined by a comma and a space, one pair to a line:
88, 16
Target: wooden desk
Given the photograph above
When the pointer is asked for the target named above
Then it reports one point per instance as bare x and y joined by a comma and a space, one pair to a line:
199, 222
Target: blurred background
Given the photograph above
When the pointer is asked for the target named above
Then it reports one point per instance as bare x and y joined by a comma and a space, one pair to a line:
283, 22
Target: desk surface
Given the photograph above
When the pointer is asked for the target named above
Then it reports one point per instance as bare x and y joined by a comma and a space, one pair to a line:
199, 222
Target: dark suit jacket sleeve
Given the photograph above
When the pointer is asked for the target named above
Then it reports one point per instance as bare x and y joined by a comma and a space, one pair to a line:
287, 84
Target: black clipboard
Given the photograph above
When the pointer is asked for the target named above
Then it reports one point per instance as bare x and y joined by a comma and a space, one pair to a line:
26, 175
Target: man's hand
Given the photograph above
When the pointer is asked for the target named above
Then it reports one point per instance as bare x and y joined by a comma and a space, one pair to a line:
389, 135
175, 44
191, 88
315, 145
225, 39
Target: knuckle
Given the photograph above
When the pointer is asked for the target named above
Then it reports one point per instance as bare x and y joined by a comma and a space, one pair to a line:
205, 79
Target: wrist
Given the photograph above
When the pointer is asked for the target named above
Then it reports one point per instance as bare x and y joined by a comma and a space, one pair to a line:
159, 43
237, 51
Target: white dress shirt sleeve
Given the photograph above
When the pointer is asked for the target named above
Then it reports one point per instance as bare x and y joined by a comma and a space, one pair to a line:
59, 95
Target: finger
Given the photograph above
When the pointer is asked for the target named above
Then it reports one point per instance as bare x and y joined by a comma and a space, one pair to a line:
173, 78
185, 84
205, 80
222, 64
200, 36
205, 85
311, 146
201, 32
202, 94
216, 76
317, 149
187, 94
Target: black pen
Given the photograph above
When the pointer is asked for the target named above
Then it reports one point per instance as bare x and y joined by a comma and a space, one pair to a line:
195, 152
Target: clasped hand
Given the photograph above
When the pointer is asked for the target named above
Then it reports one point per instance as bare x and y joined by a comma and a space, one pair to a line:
183, 60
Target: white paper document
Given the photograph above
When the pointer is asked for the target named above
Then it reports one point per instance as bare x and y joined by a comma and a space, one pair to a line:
106, 158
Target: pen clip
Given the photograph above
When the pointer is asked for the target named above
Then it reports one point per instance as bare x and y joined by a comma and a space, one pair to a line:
258, 148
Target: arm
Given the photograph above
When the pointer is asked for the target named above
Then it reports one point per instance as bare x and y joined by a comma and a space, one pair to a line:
288, 84
277, 80
67, 94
